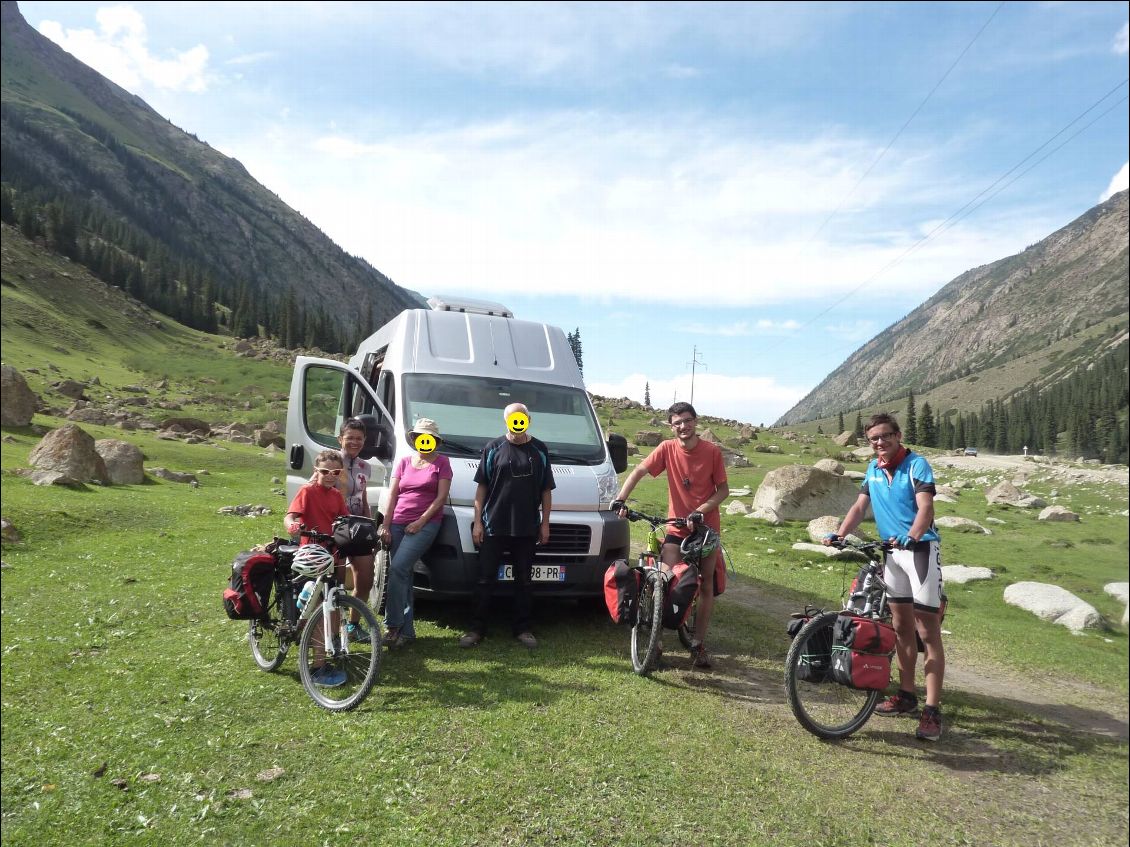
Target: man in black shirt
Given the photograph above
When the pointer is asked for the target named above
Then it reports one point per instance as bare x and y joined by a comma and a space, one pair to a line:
512, 504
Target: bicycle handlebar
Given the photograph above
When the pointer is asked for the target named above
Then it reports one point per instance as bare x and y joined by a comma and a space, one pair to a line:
871, 547
654, 520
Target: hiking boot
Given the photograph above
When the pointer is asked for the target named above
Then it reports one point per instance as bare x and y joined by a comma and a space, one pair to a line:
470, 639
357, 633
902, 703
929, 725
701, 659
526, 639
327, 677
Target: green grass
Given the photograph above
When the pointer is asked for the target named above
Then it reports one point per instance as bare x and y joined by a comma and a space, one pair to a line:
119, 668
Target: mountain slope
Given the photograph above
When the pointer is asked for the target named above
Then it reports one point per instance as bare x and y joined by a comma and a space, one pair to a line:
1071, 284
70, 133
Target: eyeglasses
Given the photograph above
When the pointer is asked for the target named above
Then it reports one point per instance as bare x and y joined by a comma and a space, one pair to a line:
882, 436
332, 471
681, 422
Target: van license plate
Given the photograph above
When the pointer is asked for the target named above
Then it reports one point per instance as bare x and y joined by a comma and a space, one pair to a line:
538, 573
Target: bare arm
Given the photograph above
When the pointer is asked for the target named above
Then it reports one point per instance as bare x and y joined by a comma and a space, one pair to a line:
477, 530
393, 496
854, 517
925, 517
630, 482
546, 508
720, 494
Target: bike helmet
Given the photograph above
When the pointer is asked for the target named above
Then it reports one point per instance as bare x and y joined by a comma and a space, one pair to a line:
699, 544
312, 560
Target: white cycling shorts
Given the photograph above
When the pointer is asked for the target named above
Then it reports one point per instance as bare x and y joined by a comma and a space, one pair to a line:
915, 576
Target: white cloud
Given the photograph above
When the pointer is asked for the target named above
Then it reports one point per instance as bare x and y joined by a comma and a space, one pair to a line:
1120, 182
120, 51
1121, 44
584, 203
751, 399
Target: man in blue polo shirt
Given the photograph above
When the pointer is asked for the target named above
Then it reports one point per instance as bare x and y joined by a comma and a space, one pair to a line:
899, 488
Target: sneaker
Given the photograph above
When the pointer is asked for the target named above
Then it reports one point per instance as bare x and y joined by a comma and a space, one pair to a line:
328, 677
700, 656
470, 639
526, 639
901, 703
930, 724
357, 633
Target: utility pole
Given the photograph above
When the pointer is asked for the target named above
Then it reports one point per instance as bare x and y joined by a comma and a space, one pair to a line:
694, 362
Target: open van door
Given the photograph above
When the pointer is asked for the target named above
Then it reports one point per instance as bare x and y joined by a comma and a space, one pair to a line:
323, 395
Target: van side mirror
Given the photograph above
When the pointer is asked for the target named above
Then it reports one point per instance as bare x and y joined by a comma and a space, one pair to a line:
618, 451
297, 456
378, 438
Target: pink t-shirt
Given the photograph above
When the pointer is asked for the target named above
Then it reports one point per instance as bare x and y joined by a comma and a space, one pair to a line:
418, 488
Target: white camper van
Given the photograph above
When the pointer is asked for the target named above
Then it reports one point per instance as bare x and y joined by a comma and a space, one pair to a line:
460, 363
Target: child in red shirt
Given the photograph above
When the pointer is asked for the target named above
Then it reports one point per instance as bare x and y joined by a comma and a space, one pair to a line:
319, 504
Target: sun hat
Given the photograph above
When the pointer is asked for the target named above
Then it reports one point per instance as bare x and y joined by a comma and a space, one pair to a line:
423, 425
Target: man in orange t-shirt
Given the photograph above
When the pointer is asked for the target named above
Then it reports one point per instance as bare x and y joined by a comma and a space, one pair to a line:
696, 487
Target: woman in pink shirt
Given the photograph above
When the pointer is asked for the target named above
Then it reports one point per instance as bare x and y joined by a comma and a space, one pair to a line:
420, 485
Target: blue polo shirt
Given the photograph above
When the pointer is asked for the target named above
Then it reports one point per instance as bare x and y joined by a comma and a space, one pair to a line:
893, 501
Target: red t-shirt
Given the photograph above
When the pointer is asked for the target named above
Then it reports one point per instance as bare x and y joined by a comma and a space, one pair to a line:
318, 507
692, 478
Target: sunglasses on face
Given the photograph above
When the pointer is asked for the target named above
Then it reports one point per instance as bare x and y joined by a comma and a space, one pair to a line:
332, 471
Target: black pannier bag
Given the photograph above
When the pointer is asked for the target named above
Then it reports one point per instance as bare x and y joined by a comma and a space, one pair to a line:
356, 536
681, 591
621, 591
816, 660
249, 591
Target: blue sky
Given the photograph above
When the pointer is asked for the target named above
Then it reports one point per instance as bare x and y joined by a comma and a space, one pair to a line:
768, 185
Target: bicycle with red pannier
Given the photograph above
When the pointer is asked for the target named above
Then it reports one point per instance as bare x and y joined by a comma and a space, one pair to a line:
840, 661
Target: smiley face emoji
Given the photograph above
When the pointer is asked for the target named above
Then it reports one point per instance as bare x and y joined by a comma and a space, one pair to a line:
425, 442
517, 422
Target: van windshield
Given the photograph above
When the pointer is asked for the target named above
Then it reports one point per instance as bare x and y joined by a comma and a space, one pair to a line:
468, 411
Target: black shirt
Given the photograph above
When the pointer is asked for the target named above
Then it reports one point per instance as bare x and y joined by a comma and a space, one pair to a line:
515, 475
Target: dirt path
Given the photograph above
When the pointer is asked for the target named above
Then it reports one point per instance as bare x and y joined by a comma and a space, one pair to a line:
1080, 706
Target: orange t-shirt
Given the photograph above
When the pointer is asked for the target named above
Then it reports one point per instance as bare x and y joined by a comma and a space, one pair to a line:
692, 478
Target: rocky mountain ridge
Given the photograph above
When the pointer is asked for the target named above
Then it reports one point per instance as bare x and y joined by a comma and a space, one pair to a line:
1062, 287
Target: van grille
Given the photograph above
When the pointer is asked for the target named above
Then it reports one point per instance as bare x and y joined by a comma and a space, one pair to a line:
566, 540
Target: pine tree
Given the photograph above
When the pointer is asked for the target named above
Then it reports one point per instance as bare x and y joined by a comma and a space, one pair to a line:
574, 338
910, 425
928, 432
647, 395
839, 423
858, 425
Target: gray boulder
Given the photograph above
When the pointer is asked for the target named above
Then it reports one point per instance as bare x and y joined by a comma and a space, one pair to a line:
1057, 513
1120, 591
124, 461
845, 438
648, 438
17, 401
827, 525
172, 476
961, 524
961, 574
800, 493
831, 466
186, 425
70, 451
71, 388
1055, 604
737, 507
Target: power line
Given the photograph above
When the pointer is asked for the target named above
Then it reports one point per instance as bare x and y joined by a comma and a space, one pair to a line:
972, 205
901, 129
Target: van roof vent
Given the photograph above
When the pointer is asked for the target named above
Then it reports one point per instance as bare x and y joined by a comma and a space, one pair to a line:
442, 303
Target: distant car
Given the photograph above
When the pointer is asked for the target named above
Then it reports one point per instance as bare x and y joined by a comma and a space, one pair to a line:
970, 451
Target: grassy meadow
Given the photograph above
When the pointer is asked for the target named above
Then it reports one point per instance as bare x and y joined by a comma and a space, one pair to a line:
132, 712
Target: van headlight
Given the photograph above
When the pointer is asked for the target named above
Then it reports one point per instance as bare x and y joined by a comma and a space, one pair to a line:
607, 486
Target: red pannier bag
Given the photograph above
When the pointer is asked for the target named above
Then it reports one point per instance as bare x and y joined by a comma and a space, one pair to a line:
682, 588
861, 652
621, 591
249, 591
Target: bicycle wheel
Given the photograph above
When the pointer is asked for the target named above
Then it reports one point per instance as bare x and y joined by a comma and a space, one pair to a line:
269, 644
648, 625
822, 706
377, 596
356, 663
